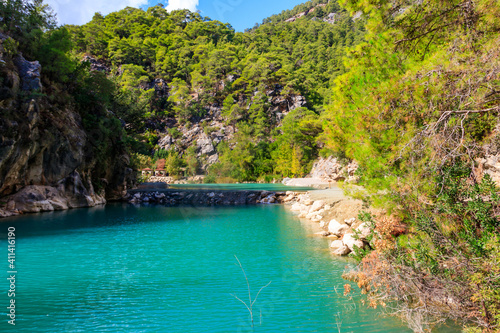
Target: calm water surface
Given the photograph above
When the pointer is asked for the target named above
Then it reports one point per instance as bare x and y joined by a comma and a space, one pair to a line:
156, 269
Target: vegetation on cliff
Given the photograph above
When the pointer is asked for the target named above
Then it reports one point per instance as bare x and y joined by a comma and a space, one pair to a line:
177, 69
417, 108
56, 115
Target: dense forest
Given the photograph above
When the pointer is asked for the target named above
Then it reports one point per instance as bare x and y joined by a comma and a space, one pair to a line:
418, 109
175, 71
408, 89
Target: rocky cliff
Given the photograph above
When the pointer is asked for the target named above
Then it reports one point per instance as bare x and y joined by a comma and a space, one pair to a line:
208, 131
48, 161
332, 169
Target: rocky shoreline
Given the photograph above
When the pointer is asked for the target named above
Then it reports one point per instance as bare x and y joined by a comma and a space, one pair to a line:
335, 214
337, 219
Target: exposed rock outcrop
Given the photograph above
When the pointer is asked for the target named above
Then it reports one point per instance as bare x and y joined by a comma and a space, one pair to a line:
207, 132
330, 18
30, 72
159, 85
205, 145
330, 169
70, 192
96, 64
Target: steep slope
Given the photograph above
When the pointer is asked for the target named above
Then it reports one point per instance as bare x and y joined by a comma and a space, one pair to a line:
196, 83
48, 159
418, 110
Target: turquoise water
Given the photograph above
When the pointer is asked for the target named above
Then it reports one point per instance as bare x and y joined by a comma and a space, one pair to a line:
242, 187
158, 269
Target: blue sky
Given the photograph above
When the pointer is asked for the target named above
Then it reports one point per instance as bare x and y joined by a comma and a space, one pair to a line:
240, 14
243, 14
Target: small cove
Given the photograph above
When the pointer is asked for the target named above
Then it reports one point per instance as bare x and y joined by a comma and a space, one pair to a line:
145, 268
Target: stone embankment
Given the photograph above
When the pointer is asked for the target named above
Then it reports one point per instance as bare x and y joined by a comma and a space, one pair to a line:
171, 197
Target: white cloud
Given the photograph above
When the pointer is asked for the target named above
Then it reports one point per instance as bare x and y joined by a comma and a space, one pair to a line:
182, 4
82, 11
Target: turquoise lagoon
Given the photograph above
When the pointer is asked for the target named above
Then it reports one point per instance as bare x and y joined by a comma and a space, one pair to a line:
125, 268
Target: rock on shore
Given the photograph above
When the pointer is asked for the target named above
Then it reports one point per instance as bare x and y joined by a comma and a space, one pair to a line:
71, 192
349, 234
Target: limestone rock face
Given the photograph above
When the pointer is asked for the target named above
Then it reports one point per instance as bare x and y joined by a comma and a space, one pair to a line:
330, 18
329, 169
29, 71
207, 131
297, 102
205, 145
166, 142
71, 193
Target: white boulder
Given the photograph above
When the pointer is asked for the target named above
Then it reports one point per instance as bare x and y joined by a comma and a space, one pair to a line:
297, 207
336, 228
336, 244
363, 230
317, 205
350, 221
351, 242
342, 251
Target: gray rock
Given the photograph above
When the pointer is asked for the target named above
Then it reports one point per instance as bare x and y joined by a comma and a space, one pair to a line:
357, 15
30, 72
297, 102
330, 18
205, 145
96, 65
329, 169
212, 160
232, 77
166, 142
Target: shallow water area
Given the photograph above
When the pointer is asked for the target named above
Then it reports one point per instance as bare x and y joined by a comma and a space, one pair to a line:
125, 268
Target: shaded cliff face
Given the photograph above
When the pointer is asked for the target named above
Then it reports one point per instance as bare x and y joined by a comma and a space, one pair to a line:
48, 160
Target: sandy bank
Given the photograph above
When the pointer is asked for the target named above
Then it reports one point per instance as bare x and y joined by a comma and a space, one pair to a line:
311, 182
